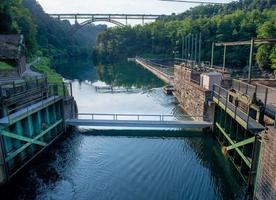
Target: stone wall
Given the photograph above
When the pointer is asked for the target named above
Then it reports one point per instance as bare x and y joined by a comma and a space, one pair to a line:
192, 97
266, 181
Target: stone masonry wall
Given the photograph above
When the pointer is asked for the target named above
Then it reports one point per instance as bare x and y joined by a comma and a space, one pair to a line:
266, 181
192, 97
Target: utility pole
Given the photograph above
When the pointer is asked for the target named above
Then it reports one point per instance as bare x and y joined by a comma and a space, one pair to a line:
250, 60
196, 45
189, 46
212, 58
224, 57
199, 46
192, 50
183, 44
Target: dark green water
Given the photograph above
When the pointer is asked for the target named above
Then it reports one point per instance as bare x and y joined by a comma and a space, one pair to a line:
85, 165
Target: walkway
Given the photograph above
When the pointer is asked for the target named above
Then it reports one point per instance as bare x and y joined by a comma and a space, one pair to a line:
162, 72
135, 121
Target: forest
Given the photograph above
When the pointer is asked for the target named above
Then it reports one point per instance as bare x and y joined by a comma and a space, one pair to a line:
45, 36
236, 21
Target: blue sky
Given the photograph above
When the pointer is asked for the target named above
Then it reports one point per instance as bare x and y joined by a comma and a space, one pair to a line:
116, 6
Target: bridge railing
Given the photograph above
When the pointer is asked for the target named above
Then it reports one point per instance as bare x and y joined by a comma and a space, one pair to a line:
132, 117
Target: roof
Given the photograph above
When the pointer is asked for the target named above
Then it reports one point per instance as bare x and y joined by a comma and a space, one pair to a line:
10, 46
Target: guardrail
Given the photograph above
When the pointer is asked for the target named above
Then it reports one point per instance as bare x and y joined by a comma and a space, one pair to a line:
28, 110
259, 92
166, 70
132, 117
16, 88
221, 94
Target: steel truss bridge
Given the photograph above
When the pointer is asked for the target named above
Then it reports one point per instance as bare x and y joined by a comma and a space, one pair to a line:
112, 18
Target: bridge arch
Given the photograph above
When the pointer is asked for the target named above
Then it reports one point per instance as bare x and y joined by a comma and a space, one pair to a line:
87, 22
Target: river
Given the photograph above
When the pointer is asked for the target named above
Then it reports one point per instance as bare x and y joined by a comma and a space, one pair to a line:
86, 165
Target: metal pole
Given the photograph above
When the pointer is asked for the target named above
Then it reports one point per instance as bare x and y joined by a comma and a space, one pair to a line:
192, 50
182, 48
212, 58
186, 49
196, 42
76, 19
250, 60
224, 57
189, 46
200, 46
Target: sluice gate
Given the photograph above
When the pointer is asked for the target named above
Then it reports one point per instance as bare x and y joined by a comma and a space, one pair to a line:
241, 114
28, 127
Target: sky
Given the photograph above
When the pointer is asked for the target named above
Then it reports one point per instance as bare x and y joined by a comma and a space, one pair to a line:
117, 6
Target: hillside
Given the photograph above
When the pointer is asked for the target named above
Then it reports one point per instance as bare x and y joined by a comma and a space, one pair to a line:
232, 22
44, 34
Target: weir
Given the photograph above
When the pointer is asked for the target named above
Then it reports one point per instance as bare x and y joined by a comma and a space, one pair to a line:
161, 71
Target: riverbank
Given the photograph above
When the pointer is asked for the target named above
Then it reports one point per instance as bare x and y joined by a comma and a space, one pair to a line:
44, 66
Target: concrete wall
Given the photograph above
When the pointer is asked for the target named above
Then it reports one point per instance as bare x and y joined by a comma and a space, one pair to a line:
70, 107
191, 96
266, 182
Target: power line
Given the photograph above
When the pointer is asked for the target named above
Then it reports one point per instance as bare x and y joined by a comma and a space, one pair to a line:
190, 1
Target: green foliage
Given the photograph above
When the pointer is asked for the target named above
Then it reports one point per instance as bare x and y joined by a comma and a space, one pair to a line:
15, 19
236, 21
4, 66
56, 38
44, 66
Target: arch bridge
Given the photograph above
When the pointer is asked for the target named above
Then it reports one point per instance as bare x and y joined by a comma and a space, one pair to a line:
112, 18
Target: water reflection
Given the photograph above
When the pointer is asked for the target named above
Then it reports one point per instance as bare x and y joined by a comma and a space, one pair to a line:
86, 165
123, 74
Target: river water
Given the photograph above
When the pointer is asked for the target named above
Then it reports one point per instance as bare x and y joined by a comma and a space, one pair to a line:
133, 164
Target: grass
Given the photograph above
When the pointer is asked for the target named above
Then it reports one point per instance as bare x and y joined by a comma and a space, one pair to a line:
43, 66
5, 67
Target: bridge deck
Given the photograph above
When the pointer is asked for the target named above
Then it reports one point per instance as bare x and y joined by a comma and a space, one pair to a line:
135, 121
140, 124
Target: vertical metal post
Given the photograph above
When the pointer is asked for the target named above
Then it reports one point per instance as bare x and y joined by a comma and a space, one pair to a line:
189, 46
196, 45
250, 60
126, 19
186, 49
64, 90
224, 58
192, 50
266, 96
71, 89
199, 47
212, 57
143, 20
76, 19
182, 48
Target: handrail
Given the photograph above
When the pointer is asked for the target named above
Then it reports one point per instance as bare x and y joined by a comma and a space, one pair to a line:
248, 118
117, 117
